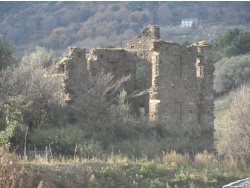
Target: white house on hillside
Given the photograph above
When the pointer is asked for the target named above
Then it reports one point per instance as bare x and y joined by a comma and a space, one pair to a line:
189, 22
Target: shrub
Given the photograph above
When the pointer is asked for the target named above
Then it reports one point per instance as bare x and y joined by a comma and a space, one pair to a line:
235, 140
231, 72
29, 97
67, 141
10, 173
103, 112
6, 54
13, 133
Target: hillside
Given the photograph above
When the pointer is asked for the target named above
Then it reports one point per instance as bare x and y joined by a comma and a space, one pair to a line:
58, 25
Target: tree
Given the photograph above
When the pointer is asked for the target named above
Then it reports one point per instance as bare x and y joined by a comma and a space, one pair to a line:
241, 45
103, 112
232, 43
235, 140
6, 54
231, 72
95, 98
30, 97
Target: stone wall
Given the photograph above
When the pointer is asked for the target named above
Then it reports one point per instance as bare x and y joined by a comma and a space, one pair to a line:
74, 67
177, 90
119, 62
181, 97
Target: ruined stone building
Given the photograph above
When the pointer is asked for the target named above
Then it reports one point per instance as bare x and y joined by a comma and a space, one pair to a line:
177, 89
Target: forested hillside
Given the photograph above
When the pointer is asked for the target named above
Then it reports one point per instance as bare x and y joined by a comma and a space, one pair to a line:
58, 25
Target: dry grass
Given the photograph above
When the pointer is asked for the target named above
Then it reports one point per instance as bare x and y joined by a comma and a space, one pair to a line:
9, 175
113, 159
116, 170
174, 157
205, 159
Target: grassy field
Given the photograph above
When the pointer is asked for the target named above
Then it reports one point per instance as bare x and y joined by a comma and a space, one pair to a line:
221, 109
168, 170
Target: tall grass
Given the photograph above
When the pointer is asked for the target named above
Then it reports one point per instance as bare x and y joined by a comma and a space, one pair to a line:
165, 169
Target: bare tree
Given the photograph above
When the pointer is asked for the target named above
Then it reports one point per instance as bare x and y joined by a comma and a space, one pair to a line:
236, 138
102, 111
96, 97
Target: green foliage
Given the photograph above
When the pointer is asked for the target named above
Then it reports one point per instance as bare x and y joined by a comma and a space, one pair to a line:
67, 141
32, 98
232, 43
156, 183
6, 54
231, 72
148, 169
12, 134
29, 98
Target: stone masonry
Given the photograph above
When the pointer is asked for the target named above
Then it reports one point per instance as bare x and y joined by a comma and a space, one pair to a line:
177, 90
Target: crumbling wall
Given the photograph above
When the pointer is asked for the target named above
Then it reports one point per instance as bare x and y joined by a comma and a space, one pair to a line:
205, 101
143, 41
74, 67
177, 90
119, 62
142, 46
181, 96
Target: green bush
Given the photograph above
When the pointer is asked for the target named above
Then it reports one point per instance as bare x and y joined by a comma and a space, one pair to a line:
6, 54
69, 141
232, 43
231, 72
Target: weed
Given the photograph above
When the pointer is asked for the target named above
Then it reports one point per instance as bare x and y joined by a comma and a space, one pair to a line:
156, 183
205, 160
10, 176
147, 169
175, 158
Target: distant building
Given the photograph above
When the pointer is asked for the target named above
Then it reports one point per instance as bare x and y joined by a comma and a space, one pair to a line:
189, 22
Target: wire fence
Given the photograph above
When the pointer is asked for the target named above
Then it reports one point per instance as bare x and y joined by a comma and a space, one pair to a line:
45, 155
